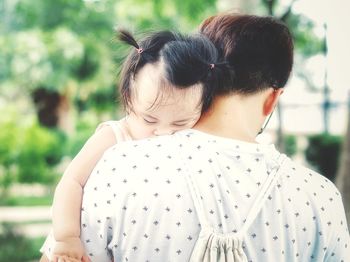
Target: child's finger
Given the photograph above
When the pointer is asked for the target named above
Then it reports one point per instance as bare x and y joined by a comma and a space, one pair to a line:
86, 259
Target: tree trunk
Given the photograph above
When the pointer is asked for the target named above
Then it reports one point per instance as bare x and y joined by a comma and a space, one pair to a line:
65, 115
343, 177
54, 109
326, 99
280, 138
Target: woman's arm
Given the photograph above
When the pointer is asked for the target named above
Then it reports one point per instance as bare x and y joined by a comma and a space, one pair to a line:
68, 193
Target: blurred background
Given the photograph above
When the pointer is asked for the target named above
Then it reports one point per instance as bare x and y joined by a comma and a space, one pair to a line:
59, 65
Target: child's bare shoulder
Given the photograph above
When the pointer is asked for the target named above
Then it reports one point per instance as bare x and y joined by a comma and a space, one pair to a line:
115, 128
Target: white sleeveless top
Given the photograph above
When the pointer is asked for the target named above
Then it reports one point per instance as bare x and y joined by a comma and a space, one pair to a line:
120, 131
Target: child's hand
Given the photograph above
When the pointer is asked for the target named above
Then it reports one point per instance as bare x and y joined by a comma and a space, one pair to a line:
70, 250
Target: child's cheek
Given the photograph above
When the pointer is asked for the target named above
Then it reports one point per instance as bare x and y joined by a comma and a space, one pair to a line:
144, 132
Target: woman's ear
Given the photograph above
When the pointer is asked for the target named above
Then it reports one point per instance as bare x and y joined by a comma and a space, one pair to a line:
272, 100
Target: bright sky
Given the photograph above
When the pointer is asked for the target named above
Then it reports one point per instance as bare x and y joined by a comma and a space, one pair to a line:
308, 119
336, 14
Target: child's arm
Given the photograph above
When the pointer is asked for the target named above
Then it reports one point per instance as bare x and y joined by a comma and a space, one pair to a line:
68, 193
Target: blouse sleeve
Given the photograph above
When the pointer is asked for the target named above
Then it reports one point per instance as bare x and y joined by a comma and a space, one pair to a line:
95, 214
338, 249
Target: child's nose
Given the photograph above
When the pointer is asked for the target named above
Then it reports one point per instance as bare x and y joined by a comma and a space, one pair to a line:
164, 131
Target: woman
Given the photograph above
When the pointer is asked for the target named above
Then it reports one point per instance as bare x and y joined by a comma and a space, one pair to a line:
211, 193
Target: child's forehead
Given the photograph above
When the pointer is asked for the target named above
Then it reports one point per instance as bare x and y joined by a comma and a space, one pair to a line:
151, 88
149, 79
164, 95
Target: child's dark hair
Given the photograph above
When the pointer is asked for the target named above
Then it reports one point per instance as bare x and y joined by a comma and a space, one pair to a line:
258, 49
188, 60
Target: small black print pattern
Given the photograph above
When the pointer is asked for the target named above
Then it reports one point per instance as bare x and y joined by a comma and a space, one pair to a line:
137, 205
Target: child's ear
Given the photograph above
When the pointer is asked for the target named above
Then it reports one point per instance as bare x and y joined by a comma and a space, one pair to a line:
272, 100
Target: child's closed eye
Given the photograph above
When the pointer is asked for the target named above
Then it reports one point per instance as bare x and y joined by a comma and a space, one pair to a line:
148, 121
179, 124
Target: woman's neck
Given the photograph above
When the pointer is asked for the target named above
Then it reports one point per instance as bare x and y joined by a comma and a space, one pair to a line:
234, 116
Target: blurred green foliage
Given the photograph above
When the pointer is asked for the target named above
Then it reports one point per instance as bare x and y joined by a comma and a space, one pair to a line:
323, 153
41, 150
290, 145
28, 153
306, 42
50, 43
27, 200
67, 48
8, 140
31, 153
17, 248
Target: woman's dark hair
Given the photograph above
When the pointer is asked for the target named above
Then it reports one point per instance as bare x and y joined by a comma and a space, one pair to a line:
188, 60
259, 51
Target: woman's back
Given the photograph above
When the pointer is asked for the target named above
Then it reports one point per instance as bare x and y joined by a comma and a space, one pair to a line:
136, 210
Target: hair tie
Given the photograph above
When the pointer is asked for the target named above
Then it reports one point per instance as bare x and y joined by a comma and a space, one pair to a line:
212, 66
139, 50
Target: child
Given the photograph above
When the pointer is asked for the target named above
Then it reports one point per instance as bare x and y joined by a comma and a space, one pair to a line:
165, 85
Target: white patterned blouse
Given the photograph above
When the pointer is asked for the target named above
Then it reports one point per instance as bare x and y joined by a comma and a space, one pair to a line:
138, 206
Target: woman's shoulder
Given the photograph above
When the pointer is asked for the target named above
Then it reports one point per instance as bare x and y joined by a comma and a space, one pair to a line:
309, 187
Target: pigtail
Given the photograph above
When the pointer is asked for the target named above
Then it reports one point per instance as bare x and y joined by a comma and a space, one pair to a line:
126, 37
148, 52
221, 75
221, 67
